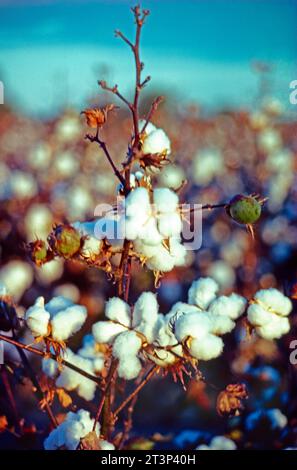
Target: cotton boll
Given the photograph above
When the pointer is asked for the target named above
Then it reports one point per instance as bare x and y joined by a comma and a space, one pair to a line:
105, 445
106, 331
126, 344
179, 309
66, 164
137, 203
57, 304
178, 251
257, 315
51, 271
222, 443
275, 329
145, 309
278, 419
207, 164
206, 348
170, 224
129, 367
49, 367
145, 249
221, 324
171, 176
118, 310
148, 232
162, 261
89, 351
232, 306
37, 318
274, 300
269, 139
91, 247
38, 221
149, 128
67, 322
71, 380
23, 185
165, 200
68, 290
156, 142
222, 273
17, 277
192, 324
202, 292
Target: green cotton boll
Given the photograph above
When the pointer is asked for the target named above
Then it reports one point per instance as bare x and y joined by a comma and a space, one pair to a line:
244, 209
67, 241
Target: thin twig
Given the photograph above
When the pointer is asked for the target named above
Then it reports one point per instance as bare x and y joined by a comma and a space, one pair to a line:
102, 145
135, 392
109, 379
51, 356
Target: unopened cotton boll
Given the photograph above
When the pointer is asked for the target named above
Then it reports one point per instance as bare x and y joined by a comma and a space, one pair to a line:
156, 142
67, 322
118, 310
126, 344
106, 331
202, 292
206, 348
129, 367
37, 318
192, 324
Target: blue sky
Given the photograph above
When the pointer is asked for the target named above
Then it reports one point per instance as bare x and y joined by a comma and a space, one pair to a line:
52, 52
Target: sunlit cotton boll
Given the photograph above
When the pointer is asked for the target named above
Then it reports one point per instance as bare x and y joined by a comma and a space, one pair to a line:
118, 310
38, 221
17, 277
156, 142
129, 367
207, 164
126, 344
206, 348
69, 433
202, 292
37, 318
23, 185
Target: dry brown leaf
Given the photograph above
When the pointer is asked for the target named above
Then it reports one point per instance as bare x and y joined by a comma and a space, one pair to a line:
229, 401
90, 442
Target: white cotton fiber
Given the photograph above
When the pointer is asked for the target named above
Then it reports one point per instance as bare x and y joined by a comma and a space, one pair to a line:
221, 324
37, 318
145, 309
257, 315
275, 329
274, 300
137, 204
56, 304
118, 310
149, 233
149, 127
156, 142
126, 344
232, 306
202, 292
106, 331
192, 324
105, 445
165, 200
49, 367
129, 367
67, 322
206, 348
170, 224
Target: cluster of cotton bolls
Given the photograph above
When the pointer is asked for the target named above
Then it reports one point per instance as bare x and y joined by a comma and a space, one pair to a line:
268, 313
72, 430
88, 358
218, 443
59, 318
155, 227
188, 329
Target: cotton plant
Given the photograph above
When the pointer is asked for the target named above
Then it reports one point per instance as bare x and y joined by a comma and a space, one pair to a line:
134, 342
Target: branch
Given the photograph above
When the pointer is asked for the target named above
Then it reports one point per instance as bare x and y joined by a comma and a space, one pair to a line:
95, 138
115, 91
154, 107
149, 375
112, 371
51, 356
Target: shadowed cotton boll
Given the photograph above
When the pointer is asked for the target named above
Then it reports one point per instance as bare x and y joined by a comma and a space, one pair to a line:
68, 434
218, 443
